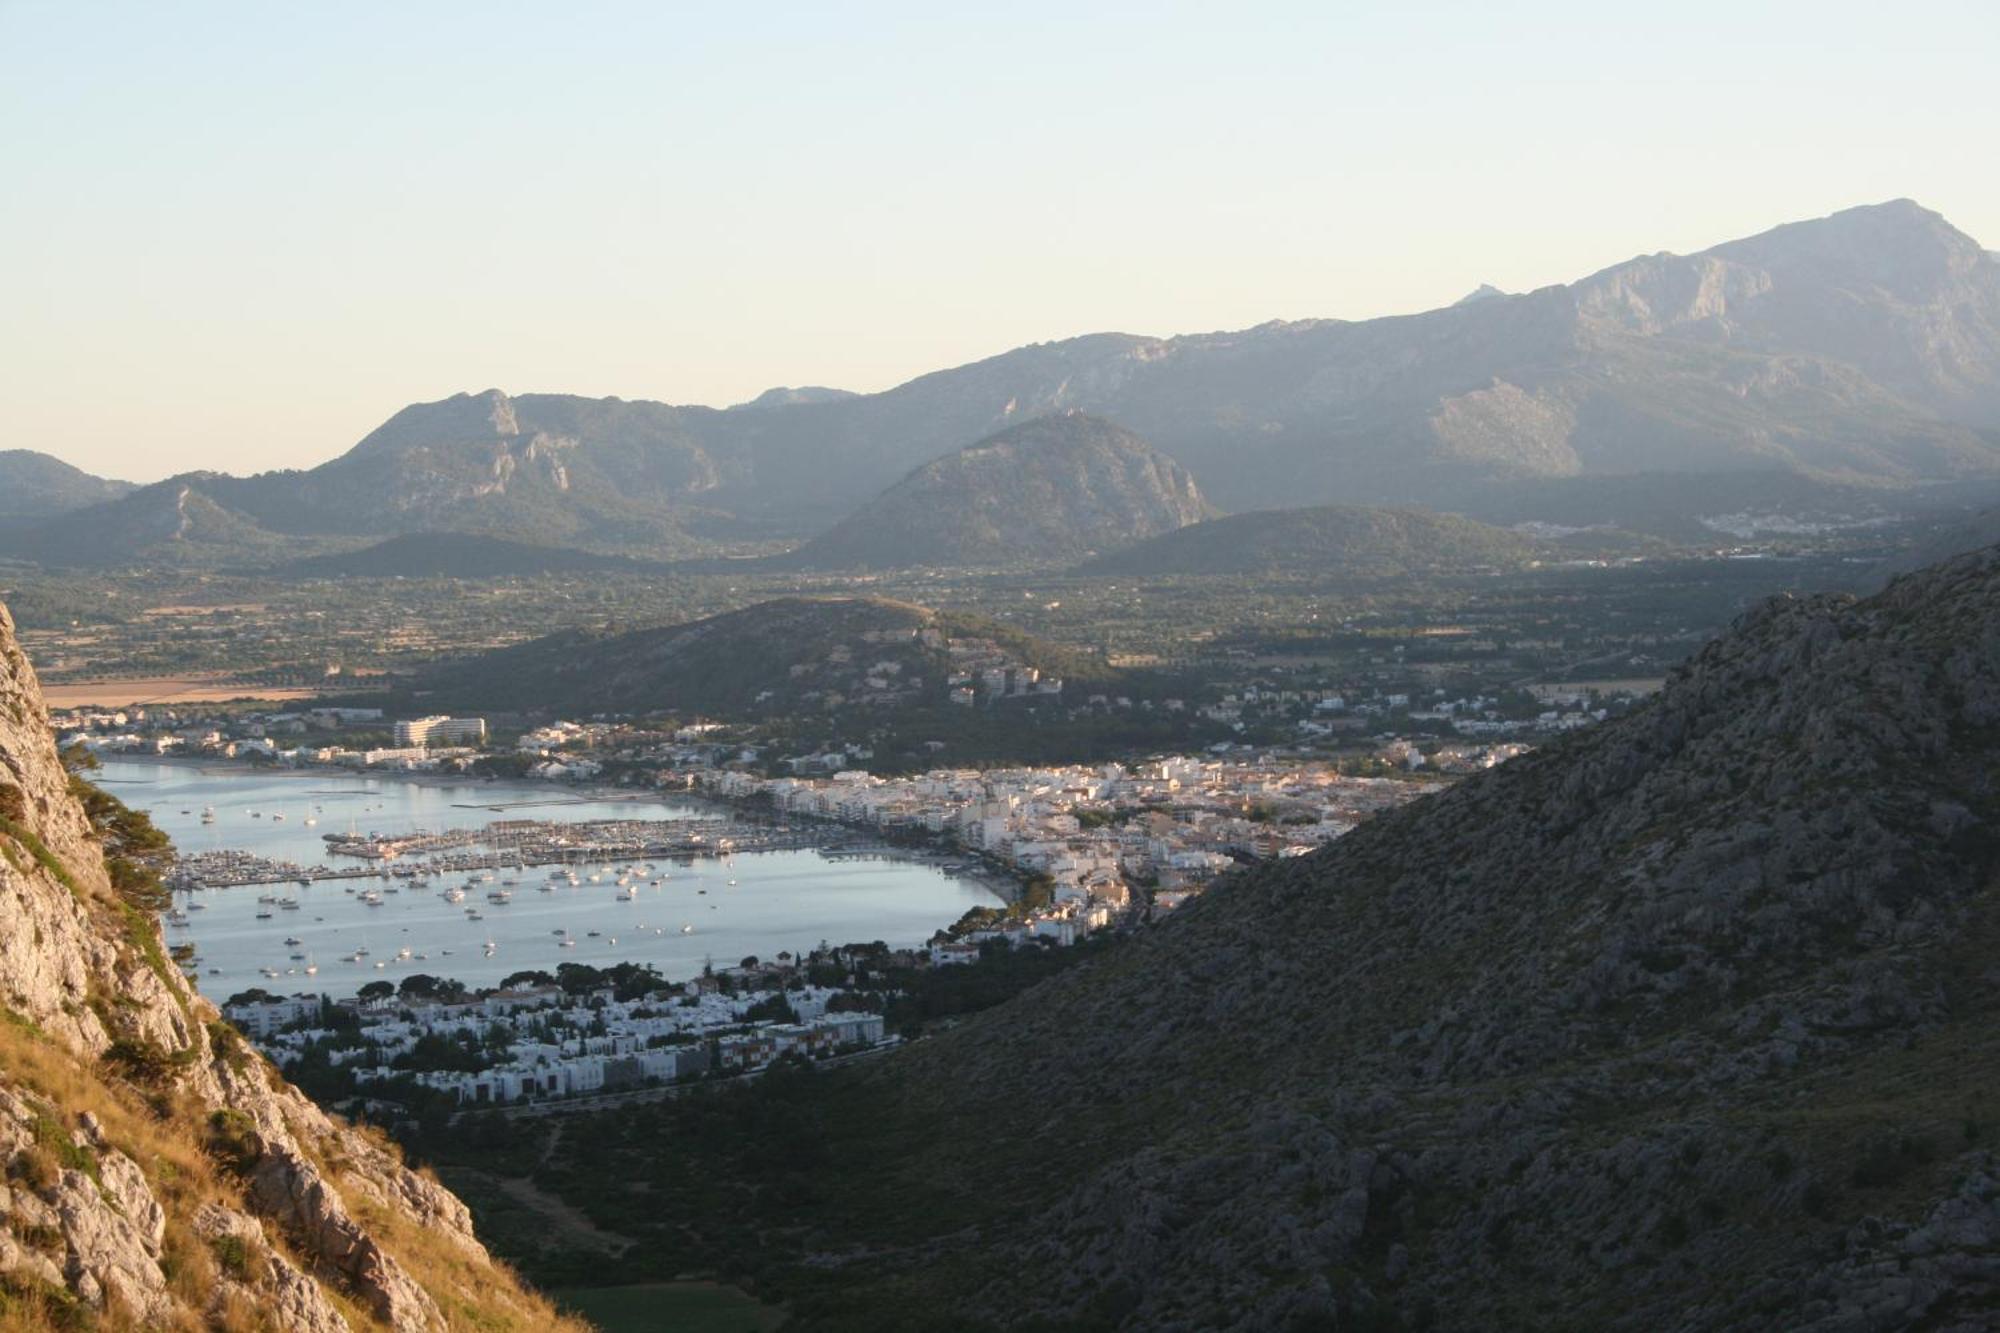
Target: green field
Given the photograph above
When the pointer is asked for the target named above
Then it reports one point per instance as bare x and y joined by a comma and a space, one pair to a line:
683, 1307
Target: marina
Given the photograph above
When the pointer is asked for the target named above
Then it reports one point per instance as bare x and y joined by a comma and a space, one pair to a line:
626, 840
476, 910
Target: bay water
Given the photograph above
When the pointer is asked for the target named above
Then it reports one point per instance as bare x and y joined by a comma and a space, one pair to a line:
753, 904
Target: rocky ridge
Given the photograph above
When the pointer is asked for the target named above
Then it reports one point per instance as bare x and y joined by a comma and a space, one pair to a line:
36, 484
158, 1173
1056, 488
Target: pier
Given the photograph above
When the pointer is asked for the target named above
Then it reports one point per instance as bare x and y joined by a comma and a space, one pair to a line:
514, 847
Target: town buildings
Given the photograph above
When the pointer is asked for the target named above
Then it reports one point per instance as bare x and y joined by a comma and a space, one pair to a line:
542, 1041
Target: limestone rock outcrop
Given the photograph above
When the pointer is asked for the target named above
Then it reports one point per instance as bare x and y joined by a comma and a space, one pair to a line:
157, 1172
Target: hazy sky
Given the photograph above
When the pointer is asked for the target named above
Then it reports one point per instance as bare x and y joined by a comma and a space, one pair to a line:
240, 235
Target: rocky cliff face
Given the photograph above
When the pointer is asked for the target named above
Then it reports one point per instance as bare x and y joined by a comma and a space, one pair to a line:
157, 1172
1691, 1022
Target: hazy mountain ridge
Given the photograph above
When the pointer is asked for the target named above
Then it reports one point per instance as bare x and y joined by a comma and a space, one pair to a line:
178, 522
1688, 1022
159, 1173
788, 397
34, 484
1052, 489
1864, 346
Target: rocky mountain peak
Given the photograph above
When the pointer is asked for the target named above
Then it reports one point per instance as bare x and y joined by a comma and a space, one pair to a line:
1900, 248
792, 397
462, 418
1055, 487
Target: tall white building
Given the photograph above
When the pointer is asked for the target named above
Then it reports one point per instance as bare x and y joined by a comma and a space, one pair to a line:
441, 730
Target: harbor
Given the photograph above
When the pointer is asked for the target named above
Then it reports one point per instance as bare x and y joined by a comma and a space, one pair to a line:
423, 855
270, 904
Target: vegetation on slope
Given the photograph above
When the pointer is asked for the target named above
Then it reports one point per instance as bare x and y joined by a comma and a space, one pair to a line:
1688, 1020
786, 656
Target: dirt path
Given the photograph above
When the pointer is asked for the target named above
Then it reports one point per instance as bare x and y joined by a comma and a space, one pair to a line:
574, 1225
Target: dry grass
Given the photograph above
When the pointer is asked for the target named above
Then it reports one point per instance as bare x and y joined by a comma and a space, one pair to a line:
477, 1297
164, 1147
163, 1137
167, 1133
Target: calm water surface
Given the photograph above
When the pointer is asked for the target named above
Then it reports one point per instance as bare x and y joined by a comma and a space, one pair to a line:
780, 900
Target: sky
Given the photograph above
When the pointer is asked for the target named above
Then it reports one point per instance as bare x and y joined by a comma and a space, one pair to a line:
241, 235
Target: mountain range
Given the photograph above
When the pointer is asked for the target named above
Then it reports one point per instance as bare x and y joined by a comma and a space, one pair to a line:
1862, 347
